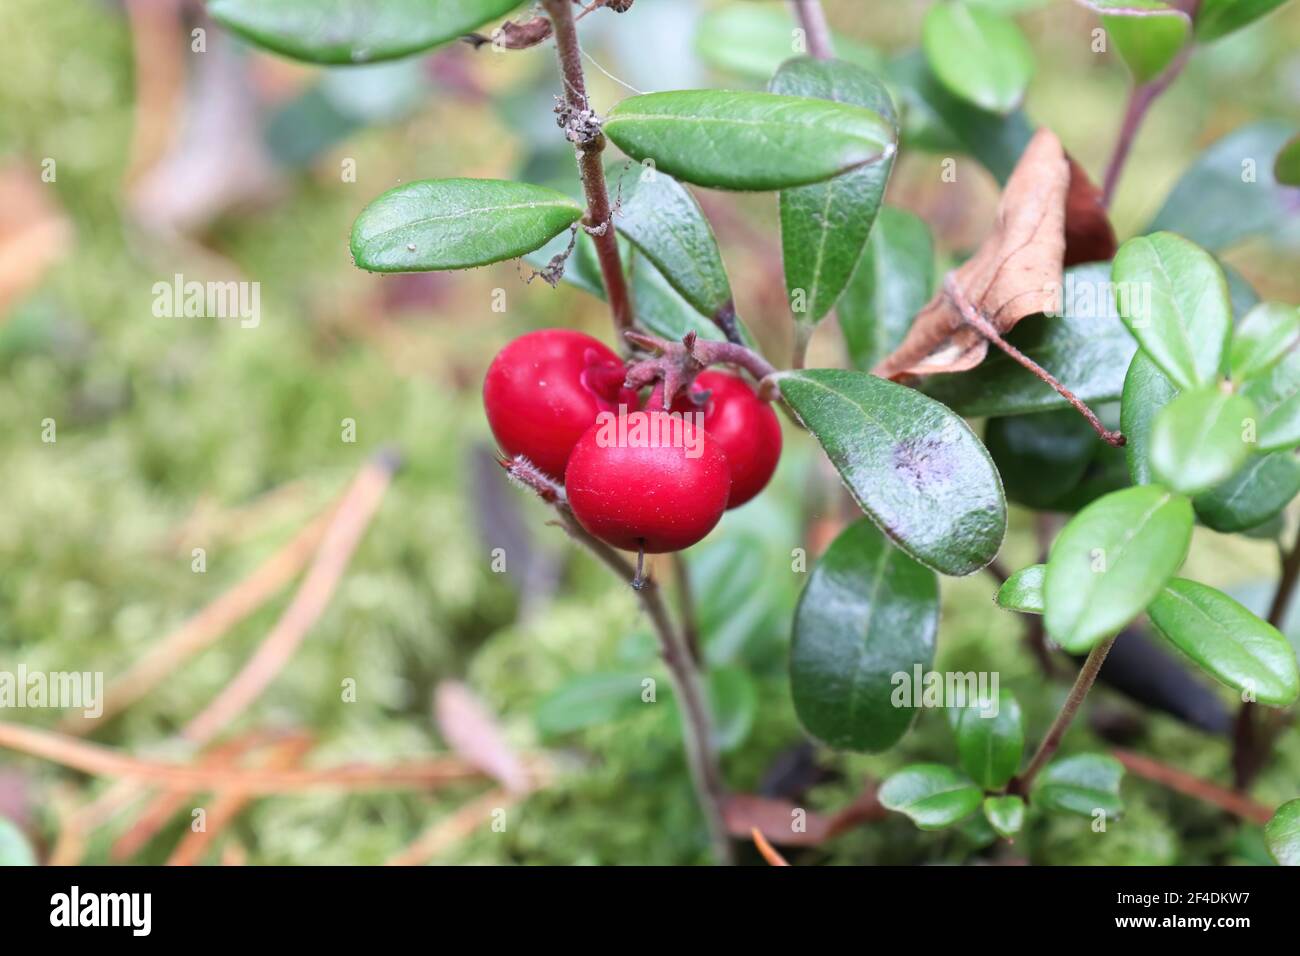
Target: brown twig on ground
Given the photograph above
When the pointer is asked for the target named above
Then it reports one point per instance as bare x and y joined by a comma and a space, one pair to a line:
450, 830
769, 852
1190, 786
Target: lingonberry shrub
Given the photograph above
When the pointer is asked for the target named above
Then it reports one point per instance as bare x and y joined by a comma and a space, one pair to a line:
1126, 393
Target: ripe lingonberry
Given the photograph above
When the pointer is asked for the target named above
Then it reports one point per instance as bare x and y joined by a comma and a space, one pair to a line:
745, 427
662, 497
546, 388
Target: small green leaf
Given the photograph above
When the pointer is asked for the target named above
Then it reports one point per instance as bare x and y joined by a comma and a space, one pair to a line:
1200, 439
1087, 349
1023, 591
661, 309
1110, 561
1286, 167
893, 280
438, 224
1218, 18
734, 700
1259, 490
824, 226
1082, 784
748, 141
588, 701
1227, 641
1041, 457
1005, 814
978, 55
15, 850
932, 795
991, 740
752, 40
1282, 834
1277, 394
1146, 392
913, 466
1174, 299
868, 612
354, 31
1269, 331
1147, 33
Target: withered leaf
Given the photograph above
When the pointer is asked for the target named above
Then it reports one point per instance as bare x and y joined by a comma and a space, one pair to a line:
472, 731
1089, 236
774, 818
1016, 271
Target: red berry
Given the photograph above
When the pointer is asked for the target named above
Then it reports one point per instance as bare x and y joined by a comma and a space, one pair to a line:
745, 427
546, 388
632, 495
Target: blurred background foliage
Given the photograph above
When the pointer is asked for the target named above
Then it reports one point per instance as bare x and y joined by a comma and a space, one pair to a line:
174, 433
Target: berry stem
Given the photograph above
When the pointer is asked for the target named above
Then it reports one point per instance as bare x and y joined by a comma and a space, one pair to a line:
812, 18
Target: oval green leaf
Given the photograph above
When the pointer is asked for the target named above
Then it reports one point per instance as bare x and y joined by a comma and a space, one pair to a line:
932, 795
1257, 492
824, 226
588, 701
354, 31
1023, 591
1218, 18
734, 700
438, 224
991, 740
1081, 784
1041, 458
1147, 33
1146, 391
1110, 561
869, 612
753, 40
661, 309
1173, 297
913, 466
978, 55
1201, 438
1277, 393
1269, 331
1282, 834
1005, 814
1227, 641
748, 141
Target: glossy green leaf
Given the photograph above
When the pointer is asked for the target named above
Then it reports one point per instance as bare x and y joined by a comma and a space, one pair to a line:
913, 466
869, 612
752, 40
1268, 332
1277, 394
440, 224
1282, 834
1041, 457
1005, 814
354, 31
15, 850
1286, 167
1087, 348
1147, 33
1228, 194
978, 55
1201, 438
591, 700
1259, 490
893, 281
734, 700
1110, 561
932, 795
1227, 641
748, 141
1174, 299
1107, 471
991, 741
1023, 591
1146, 391
660, 308
1082, 784
661, 218
1218, 18
824, 226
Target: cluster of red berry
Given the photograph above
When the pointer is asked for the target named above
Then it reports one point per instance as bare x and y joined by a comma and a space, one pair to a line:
545, 393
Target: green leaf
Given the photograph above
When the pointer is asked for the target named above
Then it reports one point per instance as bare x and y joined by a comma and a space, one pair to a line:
354, 31
932, 795
1023, 591
15, 850
1215, 205
734, 701
661, 309
1257, 492
1268, 332
989, 745
438, 224
1277, 394
1286, 167
582, 268
661, 218
1110, 561
1087, 349
1199, 439
1218, 18
824, 226
913, 466
1041, 457
1147, 33
590, 700
752, 41
978, 55
1227, 641
1005, 814
893, 281
1282, 834
1081, 784
1146, 392
1174, 299
748, 141
869, 612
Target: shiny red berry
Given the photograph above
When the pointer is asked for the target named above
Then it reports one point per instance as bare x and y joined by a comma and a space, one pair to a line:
544, 390
632, 495
745, 427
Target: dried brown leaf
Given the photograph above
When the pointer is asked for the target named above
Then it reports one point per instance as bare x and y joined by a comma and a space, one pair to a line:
1089, 236
472, 731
